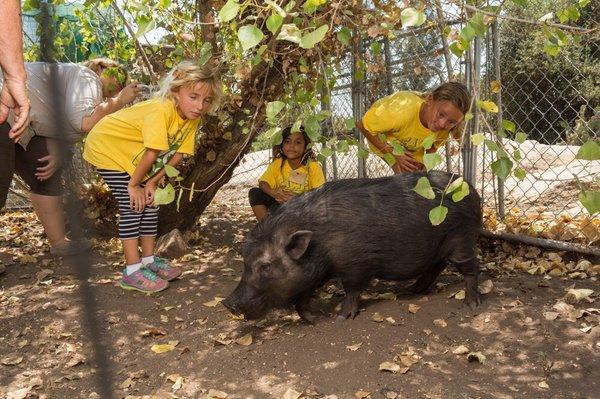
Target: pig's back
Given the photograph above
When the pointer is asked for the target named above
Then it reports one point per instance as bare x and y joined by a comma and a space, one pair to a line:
381, 226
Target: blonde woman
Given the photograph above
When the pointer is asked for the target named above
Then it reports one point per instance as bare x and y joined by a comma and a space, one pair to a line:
124, 148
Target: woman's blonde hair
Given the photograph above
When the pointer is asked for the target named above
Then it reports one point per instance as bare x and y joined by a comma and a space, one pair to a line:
188, 73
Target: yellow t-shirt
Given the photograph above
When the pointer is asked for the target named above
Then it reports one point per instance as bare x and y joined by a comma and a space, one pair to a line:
305, 178
397, 117
118, 140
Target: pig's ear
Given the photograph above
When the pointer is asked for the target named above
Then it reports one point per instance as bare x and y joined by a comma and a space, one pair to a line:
297, 243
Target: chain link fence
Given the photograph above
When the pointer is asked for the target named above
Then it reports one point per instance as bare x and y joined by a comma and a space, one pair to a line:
555, 101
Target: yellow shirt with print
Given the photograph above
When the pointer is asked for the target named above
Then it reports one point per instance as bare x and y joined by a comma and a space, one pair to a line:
397, 118
118, 140
305, 178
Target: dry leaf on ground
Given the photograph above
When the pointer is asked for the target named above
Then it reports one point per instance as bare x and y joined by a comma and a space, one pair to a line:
412, 308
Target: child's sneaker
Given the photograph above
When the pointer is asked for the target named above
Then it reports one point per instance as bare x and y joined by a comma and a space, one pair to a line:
163, 270
143, 280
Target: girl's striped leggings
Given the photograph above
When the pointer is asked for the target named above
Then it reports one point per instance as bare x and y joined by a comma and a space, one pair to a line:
131, 224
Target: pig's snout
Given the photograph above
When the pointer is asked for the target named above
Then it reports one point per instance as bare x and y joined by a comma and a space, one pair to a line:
232, 305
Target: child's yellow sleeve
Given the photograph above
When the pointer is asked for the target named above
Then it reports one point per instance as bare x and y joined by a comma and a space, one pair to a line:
271, 174
155, 130
316, 178
382, 117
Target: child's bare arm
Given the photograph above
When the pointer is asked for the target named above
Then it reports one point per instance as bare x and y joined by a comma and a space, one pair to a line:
137, 198
152, 183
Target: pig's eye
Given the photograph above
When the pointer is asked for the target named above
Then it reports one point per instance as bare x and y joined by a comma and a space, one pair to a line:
264, 268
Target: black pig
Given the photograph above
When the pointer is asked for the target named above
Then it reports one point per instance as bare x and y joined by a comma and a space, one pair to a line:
356, 230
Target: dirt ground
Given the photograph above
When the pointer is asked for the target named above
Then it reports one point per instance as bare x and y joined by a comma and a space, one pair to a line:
525, 341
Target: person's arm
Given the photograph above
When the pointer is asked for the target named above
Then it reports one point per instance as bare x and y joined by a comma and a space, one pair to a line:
137, 198
404, 163
279, 194
125, 96
152, 183
14, 89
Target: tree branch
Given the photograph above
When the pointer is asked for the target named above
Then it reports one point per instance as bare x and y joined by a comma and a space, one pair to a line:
138, 46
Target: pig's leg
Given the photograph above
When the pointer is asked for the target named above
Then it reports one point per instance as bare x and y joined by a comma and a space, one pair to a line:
302, 307
350, 304
470, 270
427, 278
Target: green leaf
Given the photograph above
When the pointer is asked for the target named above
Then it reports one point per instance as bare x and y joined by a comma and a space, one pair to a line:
437, 215
274, 22
478, 138
144, 25
273, 108
492, 145
363, 153
249, 36
590, 200
229, 10
397, 148
590, 151
350, 123
326, 152
520, 2
509, 126
423, 188
519, 173
520, 137
411, 17
310, 39
468, 116
454, 185
488, 106
517, 155
428, 142
164, 195
502, 167
389, 158
312, 127
344, 36
461, 192
342, 146
432, 160
296, 126
171, 171
457, 49
205, 53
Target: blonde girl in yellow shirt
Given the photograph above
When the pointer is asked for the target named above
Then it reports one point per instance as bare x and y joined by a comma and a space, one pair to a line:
407, 118
125, 146
292, 172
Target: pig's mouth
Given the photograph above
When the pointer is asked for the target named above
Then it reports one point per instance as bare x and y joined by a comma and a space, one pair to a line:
252, 309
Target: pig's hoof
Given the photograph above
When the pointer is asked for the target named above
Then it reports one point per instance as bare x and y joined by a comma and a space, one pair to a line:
350, 314
473, 300
307, 317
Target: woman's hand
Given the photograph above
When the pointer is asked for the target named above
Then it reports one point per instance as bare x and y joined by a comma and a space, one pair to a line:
129, 93
149, 190
52, 164
137, 198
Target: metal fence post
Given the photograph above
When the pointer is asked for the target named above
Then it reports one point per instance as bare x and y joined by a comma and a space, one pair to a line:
357, 101
469, 151
497, 74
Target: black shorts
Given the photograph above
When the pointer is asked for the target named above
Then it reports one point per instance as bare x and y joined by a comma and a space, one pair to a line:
25, 163
259, 197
